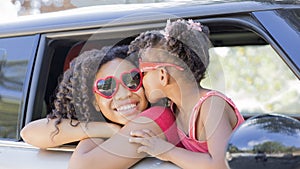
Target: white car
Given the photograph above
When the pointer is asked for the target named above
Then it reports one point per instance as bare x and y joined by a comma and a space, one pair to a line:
256, 47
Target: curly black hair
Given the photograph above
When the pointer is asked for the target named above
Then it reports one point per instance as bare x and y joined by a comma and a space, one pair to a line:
74, 98
187, 40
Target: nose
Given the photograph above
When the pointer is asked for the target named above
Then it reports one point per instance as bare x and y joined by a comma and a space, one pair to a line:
122, 93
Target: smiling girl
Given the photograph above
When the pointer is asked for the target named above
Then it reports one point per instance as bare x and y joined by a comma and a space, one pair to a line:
105, 81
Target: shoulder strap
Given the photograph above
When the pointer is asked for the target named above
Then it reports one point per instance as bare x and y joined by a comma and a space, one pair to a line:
196, 110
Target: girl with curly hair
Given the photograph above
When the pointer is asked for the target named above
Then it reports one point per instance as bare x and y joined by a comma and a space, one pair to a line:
105, 81
174, 62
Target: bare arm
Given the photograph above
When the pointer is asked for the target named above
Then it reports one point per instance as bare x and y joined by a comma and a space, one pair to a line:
116, 152
216, 125
214, 159
40, 133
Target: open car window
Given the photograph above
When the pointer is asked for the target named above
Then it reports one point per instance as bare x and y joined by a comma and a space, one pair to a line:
243, 65
256, 78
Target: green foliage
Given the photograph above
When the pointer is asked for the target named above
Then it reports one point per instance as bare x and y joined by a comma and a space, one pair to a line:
272, 148
256, 78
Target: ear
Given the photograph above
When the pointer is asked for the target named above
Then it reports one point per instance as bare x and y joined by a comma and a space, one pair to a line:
163, 76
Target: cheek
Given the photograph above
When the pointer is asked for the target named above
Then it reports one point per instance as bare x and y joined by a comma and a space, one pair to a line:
150, 82
104, 105
152, 88
142, 99
146, 83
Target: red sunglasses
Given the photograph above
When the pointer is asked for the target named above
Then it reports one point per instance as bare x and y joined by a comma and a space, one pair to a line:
147, 66
107, 87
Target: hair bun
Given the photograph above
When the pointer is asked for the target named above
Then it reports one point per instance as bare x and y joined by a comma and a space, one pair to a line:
177, 28
190, 34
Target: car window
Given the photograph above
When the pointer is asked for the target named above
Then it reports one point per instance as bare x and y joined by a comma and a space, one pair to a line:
256, 78
15, 54
292, 16
61, 48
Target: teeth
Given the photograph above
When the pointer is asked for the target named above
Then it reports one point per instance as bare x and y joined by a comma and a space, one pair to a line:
126, 107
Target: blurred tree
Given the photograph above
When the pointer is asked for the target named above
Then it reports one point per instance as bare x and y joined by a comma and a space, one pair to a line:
255, 77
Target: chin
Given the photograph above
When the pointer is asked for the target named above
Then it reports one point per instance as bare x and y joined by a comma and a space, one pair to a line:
155, 96
154, 101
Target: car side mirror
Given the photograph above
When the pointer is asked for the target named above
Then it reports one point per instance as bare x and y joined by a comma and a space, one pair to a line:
267, 141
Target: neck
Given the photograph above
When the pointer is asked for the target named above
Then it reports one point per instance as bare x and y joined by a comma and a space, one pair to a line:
185, 96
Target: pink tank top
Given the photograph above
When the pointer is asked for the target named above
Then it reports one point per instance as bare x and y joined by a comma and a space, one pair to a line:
191, 143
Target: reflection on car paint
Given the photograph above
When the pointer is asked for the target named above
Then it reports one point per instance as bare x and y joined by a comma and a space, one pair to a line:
265, 142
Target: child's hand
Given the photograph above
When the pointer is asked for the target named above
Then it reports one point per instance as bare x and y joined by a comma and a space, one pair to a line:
150, 143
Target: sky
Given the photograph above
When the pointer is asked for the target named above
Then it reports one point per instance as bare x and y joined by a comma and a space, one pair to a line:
248, 136
8, 10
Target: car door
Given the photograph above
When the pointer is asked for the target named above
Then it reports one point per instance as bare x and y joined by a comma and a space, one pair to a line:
17, 59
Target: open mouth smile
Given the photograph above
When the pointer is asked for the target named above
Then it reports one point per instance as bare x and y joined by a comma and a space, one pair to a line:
126, 107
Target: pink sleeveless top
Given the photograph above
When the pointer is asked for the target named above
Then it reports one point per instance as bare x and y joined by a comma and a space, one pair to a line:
191, 143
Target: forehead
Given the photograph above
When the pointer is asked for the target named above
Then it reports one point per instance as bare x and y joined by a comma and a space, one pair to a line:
114, 67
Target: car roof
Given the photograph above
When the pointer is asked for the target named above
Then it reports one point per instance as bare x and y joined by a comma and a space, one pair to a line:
103, 15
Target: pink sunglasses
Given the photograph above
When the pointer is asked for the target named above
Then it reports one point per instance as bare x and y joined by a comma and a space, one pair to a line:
107, 87
147, 66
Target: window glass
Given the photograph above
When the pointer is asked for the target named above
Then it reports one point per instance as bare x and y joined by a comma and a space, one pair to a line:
14, 59
292, 16
255, 78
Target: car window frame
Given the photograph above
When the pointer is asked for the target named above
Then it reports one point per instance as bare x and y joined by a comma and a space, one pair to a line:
275, 25
254, 25
246, 21
26, 83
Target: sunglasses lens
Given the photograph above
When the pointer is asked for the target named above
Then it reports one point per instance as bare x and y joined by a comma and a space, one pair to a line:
107, 87
132, 80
